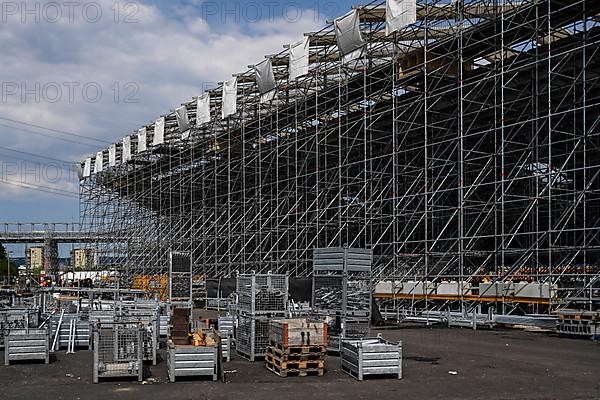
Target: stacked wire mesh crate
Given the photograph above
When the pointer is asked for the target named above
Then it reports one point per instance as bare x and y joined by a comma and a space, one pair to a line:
342, 291
261, 297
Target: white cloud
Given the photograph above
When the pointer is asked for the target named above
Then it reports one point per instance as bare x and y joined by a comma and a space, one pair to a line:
169, 57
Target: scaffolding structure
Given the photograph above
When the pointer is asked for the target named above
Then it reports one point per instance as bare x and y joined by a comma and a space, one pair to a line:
463, 147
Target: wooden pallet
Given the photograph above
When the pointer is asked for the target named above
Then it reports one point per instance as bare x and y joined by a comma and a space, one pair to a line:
298, 349
284, 373
285, 356
294, 364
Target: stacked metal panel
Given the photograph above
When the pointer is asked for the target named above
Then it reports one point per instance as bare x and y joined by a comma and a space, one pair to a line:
261, 297
342, 290
372, 356
579, 323
118, 350
60, 325
226, 331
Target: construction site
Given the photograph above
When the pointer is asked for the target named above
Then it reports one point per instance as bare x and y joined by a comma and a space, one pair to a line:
412, 192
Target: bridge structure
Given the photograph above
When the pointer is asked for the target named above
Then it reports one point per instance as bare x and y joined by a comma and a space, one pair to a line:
49, 235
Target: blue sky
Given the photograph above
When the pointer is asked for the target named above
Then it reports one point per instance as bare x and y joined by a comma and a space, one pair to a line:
93, 75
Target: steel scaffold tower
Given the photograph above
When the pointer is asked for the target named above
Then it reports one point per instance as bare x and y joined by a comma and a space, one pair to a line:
464, 147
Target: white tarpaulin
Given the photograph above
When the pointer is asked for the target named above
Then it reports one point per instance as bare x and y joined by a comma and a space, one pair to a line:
87, 168
183, 121
126, 150
99, 162
347, 33
112, 155
229, 106
142, 135
299, 58
398, 14
265, 78
203, 109
159, 132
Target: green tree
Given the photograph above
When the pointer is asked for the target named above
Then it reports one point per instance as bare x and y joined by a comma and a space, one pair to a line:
14, 269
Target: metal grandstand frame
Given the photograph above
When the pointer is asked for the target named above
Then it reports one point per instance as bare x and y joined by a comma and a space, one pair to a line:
463, 147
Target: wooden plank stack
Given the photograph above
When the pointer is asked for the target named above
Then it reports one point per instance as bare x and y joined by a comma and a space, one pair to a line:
296, 347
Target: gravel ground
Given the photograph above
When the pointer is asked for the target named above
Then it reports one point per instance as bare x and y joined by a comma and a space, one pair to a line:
488, 364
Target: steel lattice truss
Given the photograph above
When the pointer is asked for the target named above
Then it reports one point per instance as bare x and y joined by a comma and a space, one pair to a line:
466, 145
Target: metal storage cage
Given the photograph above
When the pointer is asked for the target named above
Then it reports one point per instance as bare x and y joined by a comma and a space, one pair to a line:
191, 361
27, 344
342, 288
17, 318
187, 360
180, 279
118, 350
252, 336
261, 297
149, 319
371, 357
262, 293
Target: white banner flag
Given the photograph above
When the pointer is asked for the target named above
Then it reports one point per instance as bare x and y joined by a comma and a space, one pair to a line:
299, 58
229, 106
398, 14
203, 109
112, 155
87, 168
99, 162
265, 77
347, 33
142, 134
159, 132
183, 121
126, 156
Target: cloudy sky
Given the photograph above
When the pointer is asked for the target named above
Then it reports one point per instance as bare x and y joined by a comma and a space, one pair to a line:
78, 76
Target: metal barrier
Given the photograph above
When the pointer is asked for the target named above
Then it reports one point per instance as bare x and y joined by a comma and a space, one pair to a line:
371, 357
27, 344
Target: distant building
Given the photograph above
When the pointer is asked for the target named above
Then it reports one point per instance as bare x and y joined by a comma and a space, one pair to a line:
83, 259
35, 259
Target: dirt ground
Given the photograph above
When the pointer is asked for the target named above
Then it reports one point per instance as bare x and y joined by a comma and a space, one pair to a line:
488, 364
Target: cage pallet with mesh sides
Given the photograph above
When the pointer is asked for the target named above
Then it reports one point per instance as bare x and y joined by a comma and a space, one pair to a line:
150, 333
342, 291
262, 293
27, 344
371, 357
118, 350
252, 335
